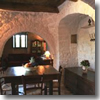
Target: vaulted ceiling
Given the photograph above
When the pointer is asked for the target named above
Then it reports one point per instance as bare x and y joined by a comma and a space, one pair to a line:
32, 5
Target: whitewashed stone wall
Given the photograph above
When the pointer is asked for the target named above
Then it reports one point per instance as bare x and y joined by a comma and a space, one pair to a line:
68, 52
45, 25
86, 48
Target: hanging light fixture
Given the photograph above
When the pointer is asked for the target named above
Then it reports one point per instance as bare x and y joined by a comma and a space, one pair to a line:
91, 33
89, 21
92, 37
91, 29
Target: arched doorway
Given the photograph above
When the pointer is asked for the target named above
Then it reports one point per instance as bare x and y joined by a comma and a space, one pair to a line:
29, 27
22, 46
69, 51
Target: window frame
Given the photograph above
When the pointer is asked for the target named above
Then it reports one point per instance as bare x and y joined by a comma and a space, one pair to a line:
14, 41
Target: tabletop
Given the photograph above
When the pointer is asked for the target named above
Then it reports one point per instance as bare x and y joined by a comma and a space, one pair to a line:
38, 70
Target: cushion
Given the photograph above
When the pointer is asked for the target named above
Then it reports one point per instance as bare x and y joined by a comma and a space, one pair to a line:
6, 87
33, 92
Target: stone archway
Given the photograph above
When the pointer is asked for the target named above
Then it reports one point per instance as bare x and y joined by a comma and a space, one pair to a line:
70, 52
71, 16
21, 24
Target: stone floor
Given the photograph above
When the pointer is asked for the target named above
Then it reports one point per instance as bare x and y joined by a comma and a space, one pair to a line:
64, 91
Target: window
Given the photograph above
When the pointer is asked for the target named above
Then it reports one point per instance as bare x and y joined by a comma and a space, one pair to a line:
20, 41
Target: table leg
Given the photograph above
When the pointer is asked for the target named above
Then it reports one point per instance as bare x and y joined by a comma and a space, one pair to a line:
45, 90
13, 88
51, 88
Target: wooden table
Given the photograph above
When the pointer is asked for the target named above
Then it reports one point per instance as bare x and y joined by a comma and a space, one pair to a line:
13, 75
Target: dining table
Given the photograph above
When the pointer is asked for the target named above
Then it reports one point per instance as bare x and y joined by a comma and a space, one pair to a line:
13, 75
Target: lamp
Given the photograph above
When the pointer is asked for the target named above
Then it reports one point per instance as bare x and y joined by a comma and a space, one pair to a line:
91, 29
47, 54
92, 33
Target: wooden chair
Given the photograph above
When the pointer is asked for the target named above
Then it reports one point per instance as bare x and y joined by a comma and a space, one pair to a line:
56, 83
4, 87
35, 81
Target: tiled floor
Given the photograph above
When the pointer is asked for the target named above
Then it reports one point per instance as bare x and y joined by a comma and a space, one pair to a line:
64, 91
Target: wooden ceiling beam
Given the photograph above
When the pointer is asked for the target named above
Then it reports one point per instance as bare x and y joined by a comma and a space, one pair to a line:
60, 2
28, 7
32, 5
74, 0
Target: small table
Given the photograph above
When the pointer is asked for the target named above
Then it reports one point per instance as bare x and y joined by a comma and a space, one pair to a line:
13, 75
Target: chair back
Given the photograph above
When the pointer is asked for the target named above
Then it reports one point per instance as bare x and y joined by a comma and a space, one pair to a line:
1, 83
47, 78
60, 69
32, 80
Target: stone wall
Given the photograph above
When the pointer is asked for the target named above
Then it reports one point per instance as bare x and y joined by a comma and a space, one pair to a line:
30, 22
68, 52
8, 49
86, 48
46, 26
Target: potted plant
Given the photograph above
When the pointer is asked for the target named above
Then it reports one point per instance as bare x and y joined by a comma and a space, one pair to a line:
85, 64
